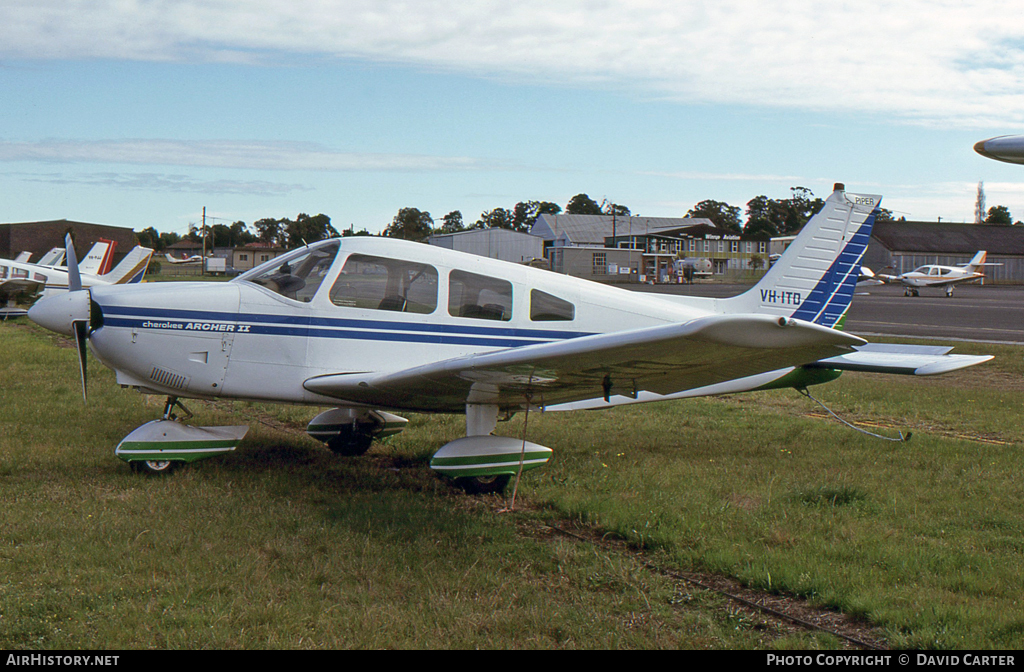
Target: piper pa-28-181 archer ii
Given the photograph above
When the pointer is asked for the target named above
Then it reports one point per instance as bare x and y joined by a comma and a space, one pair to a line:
935, 275
372, 325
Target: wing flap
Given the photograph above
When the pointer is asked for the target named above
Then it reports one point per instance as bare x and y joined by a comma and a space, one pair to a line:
662, 359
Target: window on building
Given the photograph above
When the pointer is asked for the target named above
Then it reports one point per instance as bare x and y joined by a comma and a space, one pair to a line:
734, 246
380, 283
547, 308
600, 263
479, 296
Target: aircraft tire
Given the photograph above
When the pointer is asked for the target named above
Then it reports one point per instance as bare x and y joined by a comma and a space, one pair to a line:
483, 485
350, 445
154, 467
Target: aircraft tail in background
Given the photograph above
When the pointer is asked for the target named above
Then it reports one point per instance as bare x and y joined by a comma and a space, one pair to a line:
132, 268
99, 259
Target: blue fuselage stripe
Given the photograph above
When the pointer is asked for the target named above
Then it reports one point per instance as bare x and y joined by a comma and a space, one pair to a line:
190, 321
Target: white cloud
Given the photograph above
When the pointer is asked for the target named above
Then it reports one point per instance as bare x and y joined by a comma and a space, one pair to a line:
259, 155
165, 183
931, 61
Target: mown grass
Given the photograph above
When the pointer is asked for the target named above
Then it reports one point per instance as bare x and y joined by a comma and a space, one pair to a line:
281, 544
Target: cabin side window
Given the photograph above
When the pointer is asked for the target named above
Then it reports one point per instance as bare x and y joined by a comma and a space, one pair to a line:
479, 296
381, 283
547, 308
299, 274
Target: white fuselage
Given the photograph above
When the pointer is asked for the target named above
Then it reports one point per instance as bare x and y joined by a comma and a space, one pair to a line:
244, 340
937, 276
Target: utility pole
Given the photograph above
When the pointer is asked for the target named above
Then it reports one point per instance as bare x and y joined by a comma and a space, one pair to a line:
202, 232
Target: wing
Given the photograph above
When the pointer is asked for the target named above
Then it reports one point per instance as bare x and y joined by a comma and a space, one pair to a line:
662, 359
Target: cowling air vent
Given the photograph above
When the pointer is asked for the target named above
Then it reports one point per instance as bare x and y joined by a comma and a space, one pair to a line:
168, 379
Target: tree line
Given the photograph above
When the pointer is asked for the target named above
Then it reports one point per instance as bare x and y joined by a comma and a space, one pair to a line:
285, 233
763, 218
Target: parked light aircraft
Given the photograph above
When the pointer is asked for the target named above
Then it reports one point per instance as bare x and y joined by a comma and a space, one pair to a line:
934, 275
20, 279
371, 325
195, 258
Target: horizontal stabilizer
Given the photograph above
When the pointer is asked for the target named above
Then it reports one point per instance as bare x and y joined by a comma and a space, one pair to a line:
911, 360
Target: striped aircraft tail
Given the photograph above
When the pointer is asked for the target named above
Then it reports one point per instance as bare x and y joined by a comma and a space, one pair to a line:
815, 278
132, 268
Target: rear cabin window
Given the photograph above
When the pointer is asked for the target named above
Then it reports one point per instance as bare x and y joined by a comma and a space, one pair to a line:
479, 296
380, 283
299, 275
547, 308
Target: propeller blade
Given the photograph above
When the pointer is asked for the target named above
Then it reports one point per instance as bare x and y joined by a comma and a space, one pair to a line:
81, 328
74, 279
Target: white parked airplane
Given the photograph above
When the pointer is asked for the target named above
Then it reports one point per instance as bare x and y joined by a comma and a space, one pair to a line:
20, 279
934, 275
194, 259
371, 325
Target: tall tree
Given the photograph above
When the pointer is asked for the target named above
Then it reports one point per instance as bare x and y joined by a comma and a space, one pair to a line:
525, 214
270, 231
979, 204
724, 216
783, 217
610, 208
581, 204
149, 237
452, 222
498, 218
410, 224
1000, 215
305, 229
240, 234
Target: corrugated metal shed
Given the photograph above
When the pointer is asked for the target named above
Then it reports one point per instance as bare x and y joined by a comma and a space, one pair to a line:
903, 246
502, 244
593, 229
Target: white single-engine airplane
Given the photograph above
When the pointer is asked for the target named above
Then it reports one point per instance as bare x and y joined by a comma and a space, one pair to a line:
934, 275
194, 259
370, 325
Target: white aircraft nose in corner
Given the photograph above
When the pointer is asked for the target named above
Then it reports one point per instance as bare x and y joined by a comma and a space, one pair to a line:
56, 313
1008, 148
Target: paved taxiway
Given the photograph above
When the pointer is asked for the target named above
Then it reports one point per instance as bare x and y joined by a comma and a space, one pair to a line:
973, 313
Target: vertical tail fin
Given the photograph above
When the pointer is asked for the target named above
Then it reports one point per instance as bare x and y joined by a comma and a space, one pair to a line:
977, 262
815, 278
99, 258
132, 268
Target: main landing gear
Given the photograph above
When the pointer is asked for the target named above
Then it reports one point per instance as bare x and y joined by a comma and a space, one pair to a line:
481, 463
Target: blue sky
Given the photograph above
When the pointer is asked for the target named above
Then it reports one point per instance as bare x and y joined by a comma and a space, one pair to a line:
139, 113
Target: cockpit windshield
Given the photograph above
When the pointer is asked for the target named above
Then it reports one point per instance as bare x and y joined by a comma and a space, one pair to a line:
298, 274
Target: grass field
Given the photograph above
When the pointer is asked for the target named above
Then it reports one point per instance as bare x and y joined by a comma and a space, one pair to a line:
283, 545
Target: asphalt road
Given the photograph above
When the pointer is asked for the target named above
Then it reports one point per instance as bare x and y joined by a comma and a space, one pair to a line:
993, 313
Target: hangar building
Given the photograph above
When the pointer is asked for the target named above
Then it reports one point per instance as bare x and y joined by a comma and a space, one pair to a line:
900, 246
40, 237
